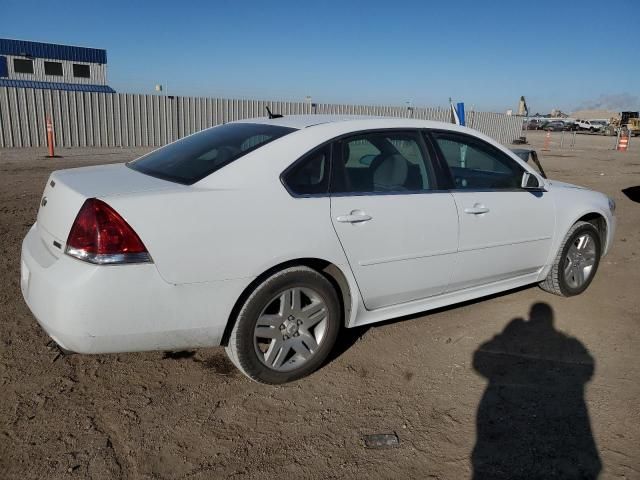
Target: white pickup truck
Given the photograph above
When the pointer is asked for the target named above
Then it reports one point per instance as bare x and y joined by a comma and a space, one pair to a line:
587, 125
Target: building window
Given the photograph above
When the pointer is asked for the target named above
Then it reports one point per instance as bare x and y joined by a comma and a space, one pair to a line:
53, 68
81, 71
21, 65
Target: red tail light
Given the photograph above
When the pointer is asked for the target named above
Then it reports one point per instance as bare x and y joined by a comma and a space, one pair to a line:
100, 235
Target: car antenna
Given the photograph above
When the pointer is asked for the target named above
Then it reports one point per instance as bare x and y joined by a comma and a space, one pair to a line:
273, 115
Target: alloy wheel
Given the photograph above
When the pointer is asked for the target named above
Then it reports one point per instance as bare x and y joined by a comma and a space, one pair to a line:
580, 260
290, 328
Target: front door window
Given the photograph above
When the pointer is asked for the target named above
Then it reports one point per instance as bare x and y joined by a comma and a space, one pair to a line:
477, 165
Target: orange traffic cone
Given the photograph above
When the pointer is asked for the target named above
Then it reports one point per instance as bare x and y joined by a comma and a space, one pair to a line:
547, 141
623, 143
50, 137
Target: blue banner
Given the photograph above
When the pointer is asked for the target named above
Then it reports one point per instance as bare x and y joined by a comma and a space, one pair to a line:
460, 109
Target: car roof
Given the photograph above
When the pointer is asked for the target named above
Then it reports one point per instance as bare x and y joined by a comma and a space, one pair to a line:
346, 121
305, 121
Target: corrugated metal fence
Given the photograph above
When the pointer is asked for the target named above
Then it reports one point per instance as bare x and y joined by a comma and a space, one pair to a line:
84, 119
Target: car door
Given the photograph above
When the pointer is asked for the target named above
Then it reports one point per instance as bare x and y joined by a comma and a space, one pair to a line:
399, 231
505, 230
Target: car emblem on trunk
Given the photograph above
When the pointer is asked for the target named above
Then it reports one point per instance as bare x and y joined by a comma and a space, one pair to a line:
44, 201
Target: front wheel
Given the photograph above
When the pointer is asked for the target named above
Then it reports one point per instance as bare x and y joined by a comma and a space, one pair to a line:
286, 328
576, 263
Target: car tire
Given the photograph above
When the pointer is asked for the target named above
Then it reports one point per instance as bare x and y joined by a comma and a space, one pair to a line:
272, 359
561, 279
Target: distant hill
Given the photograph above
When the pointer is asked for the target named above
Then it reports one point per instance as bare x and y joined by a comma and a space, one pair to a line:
594, 114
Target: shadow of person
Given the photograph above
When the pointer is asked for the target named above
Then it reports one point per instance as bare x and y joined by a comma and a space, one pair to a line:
532, 421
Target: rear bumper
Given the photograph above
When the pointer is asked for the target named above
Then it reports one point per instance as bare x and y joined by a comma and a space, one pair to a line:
88, 308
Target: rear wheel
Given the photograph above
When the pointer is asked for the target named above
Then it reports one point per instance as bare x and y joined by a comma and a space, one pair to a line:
286, 327
576, 263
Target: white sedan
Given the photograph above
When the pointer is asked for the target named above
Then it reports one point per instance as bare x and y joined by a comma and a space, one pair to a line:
269, 235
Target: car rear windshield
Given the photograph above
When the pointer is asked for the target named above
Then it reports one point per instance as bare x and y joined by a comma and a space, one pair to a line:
199, 155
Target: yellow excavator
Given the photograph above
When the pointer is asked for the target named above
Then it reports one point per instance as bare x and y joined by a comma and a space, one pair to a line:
624, 119
634, 127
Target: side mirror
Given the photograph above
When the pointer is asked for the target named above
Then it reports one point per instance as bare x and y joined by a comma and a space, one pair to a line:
530, 182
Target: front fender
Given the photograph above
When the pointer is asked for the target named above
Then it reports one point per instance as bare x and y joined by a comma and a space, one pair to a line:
573, 205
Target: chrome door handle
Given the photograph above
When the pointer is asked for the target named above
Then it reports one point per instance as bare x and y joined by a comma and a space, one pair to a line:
477, 209
355, 216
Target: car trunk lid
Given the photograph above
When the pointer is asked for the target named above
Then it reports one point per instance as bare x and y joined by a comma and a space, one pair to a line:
67, 190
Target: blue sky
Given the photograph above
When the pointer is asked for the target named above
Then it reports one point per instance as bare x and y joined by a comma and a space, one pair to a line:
486, 53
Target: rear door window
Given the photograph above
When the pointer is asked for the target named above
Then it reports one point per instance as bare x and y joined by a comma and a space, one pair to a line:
199, 155
380, 162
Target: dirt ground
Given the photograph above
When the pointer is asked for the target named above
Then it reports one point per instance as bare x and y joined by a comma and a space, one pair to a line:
556, 392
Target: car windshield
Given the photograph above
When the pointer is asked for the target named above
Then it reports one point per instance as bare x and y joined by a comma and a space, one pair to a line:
199, 155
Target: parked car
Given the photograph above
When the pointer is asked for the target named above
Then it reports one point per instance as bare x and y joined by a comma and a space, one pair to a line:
587, 125
269, 235
534, 124
555, 126
600, 125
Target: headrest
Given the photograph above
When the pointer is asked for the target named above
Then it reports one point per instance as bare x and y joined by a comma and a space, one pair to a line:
390, 172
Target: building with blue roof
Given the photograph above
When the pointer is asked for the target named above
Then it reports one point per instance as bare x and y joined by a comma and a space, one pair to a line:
26, 64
